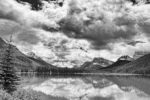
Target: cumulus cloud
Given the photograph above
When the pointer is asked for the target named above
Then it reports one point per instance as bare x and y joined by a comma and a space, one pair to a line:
34, 31
22, 14
66, 51
100, 22
77, 31
20, 33
18, 18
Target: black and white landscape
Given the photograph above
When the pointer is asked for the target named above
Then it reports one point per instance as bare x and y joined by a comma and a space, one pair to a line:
74, 49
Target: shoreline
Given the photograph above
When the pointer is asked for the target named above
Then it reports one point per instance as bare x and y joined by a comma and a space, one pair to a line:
98, 74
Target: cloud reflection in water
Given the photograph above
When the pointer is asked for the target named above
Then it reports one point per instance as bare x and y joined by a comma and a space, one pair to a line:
79, 89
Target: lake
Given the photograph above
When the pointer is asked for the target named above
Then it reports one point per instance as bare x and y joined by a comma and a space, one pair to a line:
89, 87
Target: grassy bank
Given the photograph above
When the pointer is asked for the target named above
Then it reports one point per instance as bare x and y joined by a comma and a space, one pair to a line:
20, 95
27, 95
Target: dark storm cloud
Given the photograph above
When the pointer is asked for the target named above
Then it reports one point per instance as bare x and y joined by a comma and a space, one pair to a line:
71, 26
100, 33
125, 20
98, 27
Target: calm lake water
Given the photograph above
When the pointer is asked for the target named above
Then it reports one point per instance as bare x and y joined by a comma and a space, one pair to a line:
89, 87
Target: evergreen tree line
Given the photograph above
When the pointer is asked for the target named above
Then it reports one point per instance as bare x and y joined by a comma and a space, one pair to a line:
58, 70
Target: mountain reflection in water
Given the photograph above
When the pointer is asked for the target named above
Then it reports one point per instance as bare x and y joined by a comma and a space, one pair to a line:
90, 87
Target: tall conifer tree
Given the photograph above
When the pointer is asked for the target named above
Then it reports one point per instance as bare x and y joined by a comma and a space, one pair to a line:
9, 77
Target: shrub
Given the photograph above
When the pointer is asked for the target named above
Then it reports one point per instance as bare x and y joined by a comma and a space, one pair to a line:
5, 96
20, 95
26, 95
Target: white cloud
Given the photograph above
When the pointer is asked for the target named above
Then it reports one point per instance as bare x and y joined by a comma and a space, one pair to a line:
74, 89
109, 23
23, 14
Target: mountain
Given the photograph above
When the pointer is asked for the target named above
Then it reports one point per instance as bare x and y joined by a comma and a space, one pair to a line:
139, 54
125, 58
96, 64
121, 61
140, 65
33, 55
2, 43
22, 61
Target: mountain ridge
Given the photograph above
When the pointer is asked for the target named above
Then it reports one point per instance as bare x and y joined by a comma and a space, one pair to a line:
124, 64
121, 61
22, 61
96, 64
138, 66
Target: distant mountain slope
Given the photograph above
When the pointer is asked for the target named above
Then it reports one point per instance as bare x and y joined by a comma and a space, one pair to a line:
33, 55
96, 64
141, 65
121, 61
139, 54
22, 61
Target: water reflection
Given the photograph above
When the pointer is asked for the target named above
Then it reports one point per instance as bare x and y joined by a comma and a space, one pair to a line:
91, 87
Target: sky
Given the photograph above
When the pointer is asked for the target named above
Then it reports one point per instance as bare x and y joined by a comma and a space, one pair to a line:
68, 33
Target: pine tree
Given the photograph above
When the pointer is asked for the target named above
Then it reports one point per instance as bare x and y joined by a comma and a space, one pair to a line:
9, 77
